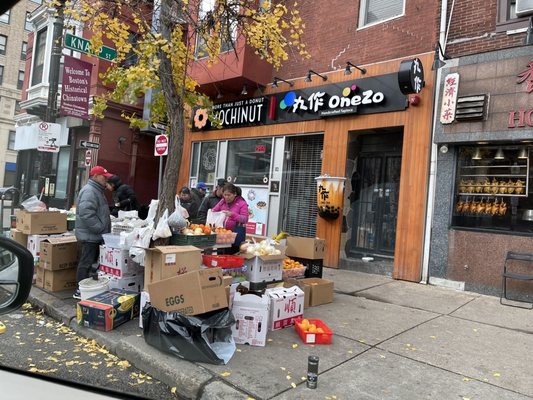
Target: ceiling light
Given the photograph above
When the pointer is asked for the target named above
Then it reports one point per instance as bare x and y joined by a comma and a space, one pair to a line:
244, 90
499, 154
477, 155
308, 78
349, 66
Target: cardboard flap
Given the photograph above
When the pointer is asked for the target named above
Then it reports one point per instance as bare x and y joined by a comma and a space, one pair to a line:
58, 240
251, 300
282, 292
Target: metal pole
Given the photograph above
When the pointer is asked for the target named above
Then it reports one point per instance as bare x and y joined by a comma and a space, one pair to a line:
160, 176
55, 63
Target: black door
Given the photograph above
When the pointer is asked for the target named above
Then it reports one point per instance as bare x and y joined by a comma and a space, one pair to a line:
376, 186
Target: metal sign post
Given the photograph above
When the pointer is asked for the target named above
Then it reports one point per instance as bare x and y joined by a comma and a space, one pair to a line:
160, 150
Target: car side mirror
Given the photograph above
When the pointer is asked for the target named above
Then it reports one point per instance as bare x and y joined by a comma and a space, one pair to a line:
16, 274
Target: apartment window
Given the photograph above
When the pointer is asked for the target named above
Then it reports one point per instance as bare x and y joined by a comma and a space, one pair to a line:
3, 45
28, 26
23, 51
17, 106
11, 140
5, 17
38, 66
507, 19
20, 81
227, 44
1, 74
131, 57
375, 11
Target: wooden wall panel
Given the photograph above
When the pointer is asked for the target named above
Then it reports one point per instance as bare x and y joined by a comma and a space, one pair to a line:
416, 122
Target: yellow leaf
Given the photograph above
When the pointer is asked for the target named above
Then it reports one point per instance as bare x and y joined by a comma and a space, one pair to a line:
173, 390
433, 337
496, 374
294, 346
293, 385
225, 374
465, 379
288, 377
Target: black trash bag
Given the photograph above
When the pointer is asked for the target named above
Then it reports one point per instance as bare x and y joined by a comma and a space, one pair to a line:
204, 338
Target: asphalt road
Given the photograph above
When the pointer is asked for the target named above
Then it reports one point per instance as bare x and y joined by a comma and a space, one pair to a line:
36, 343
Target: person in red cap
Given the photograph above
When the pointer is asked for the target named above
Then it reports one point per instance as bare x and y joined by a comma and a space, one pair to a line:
92, 220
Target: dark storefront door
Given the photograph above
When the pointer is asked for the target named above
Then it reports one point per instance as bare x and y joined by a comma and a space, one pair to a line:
375, 208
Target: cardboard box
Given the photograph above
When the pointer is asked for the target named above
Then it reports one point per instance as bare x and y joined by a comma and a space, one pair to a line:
145, 298
312, 248
264, 268
107, 310
133, 283
286, 304
191, 293
34, 242
58, 253
56, 281
306, 289
321, 290
163, 262
251, 314
19, 237
41, 222
117, 262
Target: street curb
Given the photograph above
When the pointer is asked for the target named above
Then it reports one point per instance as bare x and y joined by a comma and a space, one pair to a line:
49, 303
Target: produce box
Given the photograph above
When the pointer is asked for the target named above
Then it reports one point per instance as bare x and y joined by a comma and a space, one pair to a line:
18, 236
191, 293
251, 314
56, 281
41, 222
286, 304
321, 291
320, 335
163, 262
34, 242
58, 253
117, 262
135, 283
107, 310
264, 268
302, 247
193, 240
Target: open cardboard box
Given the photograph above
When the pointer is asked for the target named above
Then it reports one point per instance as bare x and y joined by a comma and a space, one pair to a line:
163, 262
321, 290
58, 253
251, 314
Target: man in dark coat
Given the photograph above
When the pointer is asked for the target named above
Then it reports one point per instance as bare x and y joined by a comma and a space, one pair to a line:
189, 202
123, 196
210, 201
92, 220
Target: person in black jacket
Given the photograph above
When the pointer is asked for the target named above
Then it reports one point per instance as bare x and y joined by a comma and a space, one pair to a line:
210, 201
190, 203
123, 196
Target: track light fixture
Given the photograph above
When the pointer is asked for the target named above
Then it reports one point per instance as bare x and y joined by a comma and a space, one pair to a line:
348, 70
308, 78
244, 90
276, 80
437, 62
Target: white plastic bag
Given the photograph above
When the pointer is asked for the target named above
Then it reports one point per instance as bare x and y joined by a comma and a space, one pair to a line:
177, 221
152, 210
162, 230
215, 218
33, 204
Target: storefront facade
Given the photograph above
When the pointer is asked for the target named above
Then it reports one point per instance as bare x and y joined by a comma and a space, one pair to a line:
483, 199
359, 127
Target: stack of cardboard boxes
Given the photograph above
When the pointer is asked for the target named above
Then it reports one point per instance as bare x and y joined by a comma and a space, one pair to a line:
55, 251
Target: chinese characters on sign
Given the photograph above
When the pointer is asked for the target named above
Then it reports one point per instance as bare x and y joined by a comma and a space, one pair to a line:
449, 98
323, 193
523, 117
527, 75
411, 76
75, 88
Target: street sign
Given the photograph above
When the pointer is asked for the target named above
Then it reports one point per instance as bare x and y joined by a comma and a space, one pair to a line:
88, 158
84, 46
161, 145
48, 136
89, 145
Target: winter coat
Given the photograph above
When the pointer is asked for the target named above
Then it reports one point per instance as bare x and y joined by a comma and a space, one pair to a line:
192, 207
208, 203
239, 212
92, 213
125, 196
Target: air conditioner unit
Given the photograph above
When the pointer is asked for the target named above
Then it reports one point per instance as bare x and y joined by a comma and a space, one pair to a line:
524, 8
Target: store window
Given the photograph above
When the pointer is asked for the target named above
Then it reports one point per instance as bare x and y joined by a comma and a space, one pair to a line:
62, 173
492, 189
376, 11
248, 161
38, 64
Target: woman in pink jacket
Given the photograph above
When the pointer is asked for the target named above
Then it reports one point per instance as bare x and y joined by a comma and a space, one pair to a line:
236, 210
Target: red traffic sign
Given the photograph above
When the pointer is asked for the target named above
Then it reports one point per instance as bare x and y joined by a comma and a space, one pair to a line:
88, 158
161, 145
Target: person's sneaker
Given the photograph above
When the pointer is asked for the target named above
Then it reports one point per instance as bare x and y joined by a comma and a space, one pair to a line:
77, 294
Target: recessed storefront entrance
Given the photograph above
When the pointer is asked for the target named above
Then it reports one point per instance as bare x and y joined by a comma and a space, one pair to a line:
376, 160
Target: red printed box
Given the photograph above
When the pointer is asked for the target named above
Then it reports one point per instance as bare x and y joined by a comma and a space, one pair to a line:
286, 304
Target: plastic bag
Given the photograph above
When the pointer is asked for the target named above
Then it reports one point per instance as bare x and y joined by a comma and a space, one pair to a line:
152, 210
162, 230
176, 221
202, 338
33, 204
215, 218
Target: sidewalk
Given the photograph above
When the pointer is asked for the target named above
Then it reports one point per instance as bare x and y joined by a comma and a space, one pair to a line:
393, 340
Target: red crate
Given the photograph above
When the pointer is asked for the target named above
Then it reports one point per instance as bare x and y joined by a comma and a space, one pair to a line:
222, 261
314, 338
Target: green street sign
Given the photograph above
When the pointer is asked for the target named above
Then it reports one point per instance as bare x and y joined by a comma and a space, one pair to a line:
82, 45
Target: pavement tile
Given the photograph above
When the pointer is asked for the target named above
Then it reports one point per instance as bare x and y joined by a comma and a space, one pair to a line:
353, 281
378, 374
488, 310
423, 297
498, 356
267, 371
367, 321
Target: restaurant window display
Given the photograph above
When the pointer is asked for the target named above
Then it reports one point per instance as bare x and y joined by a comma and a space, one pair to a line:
492, 188
248, 161
204, 162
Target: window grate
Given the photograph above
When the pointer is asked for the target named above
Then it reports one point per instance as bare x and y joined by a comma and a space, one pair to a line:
304, 166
